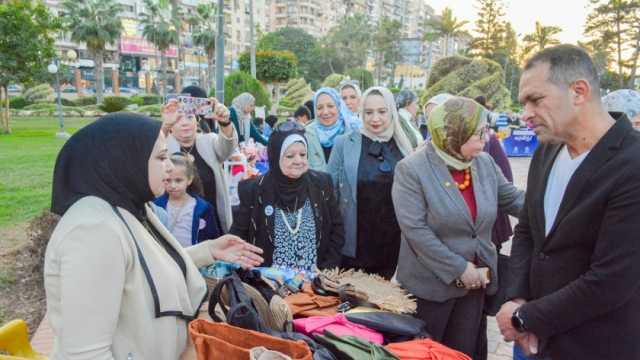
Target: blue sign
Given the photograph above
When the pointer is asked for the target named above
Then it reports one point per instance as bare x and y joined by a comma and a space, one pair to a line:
521, 142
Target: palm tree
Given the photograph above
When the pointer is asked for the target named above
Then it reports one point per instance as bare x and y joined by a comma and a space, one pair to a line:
159, 29
95, 23
445, 26
542, 37
204, 35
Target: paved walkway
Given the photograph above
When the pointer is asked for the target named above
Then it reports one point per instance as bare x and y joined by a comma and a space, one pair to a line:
498, 349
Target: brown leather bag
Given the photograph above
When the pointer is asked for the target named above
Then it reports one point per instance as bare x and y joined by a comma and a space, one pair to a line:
223, 341
306, 303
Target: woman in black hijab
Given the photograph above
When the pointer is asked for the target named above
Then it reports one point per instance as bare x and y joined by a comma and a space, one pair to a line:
112, 271
291, 212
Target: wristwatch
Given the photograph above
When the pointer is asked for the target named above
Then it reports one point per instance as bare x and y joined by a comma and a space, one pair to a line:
517, 321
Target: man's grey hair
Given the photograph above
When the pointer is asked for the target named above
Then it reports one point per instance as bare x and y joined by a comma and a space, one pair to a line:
567, 64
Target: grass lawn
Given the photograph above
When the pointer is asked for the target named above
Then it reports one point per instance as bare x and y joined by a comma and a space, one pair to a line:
27, 157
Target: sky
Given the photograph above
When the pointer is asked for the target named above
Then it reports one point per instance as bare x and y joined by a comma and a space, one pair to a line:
570, 15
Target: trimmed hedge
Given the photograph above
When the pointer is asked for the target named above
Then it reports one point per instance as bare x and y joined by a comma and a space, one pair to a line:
363, 76
86, 100
152, 110
18, 102
114, 104
333, 80
39, 93
239, 82
142, 100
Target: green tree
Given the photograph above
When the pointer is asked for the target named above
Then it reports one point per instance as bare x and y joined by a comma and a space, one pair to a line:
363, 76
634, 38
204, 35
490, 28
386, 46
612, 22
446, 27
95, 23
238, 82
271, 66
297, 41
159, 29
351, 40
540, 38
26, 46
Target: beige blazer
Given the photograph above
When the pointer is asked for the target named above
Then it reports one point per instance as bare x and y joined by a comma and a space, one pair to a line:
108, 300
214, 150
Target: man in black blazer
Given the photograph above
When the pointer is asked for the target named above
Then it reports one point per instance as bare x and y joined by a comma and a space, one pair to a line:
574, 280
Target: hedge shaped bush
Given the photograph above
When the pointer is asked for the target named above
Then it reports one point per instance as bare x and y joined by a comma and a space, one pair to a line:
114, 104
86, 100
239, 82
39, 93
18, 102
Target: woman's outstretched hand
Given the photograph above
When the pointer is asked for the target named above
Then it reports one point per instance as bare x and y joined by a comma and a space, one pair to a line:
235, 250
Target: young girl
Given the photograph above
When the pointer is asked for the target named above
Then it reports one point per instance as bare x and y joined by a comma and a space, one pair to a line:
191, 218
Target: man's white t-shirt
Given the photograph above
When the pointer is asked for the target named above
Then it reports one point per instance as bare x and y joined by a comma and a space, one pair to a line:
561, 172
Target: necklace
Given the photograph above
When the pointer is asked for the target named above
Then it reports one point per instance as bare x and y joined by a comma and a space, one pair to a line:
286, 222
467, 180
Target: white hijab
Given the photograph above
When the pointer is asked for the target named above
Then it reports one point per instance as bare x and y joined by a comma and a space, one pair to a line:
244, 120
395, 129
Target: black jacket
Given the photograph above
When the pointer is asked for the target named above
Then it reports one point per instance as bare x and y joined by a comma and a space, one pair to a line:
254, 226
582, 281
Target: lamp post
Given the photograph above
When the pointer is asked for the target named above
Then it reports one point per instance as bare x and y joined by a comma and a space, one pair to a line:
53, 69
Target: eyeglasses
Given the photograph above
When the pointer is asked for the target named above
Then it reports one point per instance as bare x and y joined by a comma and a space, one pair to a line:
289, 125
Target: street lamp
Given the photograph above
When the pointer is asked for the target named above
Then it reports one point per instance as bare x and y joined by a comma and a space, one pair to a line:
53, 69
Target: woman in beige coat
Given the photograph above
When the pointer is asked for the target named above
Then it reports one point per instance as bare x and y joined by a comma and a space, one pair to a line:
209, 151
118, 284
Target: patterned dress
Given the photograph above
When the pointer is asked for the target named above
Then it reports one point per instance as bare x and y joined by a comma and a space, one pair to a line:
296, 251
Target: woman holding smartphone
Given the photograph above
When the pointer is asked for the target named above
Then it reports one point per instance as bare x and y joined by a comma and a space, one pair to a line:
446, 196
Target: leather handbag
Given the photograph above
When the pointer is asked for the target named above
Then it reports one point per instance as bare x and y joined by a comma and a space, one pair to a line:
223, 341
353, 348
394, 327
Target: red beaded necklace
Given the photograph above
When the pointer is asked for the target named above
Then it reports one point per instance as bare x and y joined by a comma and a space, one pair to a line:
467, 180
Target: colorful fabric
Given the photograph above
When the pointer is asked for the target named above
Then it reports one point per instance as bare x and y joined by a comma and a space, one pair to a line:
346, 119
338, 325
451, 125
351, 347
625, 101
424, 349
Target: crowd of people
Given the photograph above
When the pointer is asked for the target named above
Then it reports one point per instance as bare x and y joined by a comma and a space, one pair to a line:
360, 180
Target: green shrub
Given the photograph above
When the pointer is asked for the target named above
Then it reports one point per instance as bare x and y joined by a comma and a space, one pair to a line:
39, 93
67, 102
362, 76
18, 102
271, 66
137, 99
40, 106
239, 82
150, 100
86, 100
114, 104
333, 80
152, 110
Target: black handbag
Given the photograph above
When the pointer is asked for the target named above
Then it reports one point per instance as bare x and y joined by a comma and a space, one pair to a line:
493, 302
394, 327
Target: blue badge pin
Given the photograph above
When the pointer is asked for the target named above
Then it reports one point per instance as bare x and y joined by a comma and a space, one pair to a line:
268, 210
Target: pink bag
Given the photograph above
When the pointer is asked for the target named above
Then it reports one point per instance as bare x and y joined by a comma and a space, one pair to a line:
338, 325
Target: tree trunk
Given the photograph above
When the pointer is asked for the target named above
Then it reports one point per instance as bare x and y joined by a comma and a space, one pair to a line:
634, 65
163, 71
179, 60
99, 75
619, 44
4, 109
211, 71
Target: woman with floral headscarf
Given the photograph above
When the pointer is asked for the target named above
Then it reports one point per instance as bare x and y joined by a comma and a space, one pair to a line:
446, 196
333, 118
241, 108
361, 166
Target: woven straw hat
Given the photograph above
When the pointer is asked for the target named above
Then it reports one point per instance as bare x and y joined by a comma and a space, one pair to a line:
385, 294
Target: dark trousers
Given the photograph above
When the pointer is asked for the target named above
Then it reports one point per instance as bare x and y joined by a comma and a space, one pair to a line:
384, 270
455, 323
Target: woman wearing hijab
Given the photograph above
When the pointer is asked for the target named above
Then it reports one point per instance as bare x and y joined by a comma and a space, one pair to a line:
242, 107
118, 284
333, 118
407, 102
209, 151
446, 196
351, 94
428, 107
291, 212
624, 101
362, 167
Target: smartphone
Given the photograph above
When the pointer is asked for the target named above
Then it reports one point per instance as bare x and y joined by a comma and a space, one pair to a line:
190, 105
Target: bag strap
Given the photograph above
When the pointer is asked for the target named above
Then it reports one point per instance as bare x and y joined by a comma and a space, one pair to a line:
214, 299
